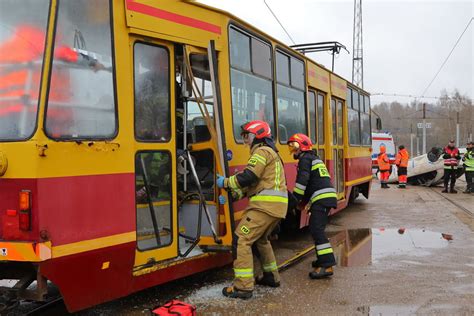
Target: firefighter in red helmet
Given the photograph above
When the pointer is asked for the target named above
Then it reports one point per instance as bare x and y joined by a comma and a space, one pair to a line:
313, 188
263, 181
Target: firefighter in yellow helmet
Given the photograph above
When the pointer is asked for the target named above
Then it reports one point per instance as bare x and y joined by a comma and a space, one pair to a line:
263, 181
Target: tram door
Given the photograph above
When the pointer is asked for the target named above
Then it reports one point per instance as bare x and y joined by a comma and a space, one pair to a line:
155, 151
197, 176
338, 146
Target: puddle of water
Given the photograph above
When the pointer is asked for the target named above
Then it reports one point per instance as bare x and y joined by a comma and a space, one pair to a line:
377, 310
360, 247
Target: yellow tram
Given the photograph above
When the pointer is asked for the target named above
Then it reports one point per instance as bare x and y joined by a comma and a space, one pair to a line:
115, 117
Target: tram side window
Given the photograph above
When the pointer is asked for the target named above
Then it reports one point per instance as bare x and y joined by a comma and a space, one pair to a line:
334, 121
339, 122
81, 102
312, 117
321, 119
153, 197
353, 118
251, 80
152, 97
365, 129
290, 94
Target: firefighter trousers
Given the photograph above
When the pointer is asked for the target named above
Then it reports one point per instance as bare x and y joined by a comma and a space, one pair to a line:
254, 228
317, 225
449, 174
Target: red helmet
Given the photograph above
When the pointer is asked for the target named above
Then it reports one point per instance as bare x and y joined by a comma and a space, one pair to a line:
303, 141
260, 129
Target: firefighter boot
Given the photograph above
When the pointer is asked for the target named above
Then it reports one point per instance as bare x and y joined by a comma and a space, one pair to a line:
315, 263
321, 273
232, 292
453, 191
445, 189
268, 280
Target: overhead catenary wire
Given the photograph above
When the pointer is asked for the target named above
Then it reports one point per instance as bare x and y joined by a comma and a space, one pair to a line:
276, 18
442, 65
402, 95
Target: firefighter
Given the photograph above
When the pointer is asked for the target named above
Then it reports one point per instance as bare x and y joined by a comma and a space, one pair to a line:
468, 160
401, 161
263, 181
384, 167
313, 189
451, 158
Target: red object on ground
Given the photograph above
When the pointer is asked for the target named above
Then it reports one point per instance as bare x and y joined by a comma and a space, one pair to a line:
175, 307
447, 236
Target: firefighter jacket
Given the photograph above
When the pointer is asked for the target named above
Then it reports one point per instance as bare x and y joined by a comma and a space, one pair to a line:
468, 160
451, 157
401, 160
263, 181
313, 183
383, 162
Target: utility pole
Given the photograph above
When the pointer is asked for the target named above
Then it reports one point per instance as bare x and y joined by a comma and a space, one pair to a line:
411, 139
424, 128
357, 52
457, 129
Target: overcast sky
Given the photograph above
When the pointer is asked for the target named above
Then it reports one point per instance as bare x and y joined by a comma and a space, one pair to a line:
404, 42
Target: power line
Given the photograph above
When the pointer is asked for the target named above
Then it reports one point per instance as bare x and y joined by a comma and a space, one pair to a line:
402, 95
469, 23
279, 22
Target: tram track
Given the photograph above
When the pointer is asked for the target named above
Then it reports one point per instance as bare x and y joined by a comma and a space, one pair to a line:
54, 306
464, 209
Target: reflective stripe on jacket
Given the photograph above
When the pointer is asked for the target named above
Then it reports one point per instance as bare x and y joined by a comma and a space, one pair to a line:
401, 160
451, 157
313, 182
469, 160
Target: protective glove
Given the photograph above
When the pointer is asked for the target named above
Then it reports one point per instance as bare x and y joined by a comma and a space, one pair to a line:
220, 181
222, 199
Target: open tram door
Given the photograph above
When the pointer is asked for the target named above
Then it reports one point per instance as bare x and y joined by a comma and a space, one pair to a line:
201, 147
178, 155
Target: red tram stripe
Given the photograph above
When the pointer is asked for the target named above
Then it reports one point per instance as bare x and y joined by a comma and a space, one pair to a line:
173, 17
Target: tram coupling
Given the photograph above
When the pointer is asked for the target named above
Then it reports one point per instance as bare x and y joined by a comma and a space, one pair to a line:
24, 274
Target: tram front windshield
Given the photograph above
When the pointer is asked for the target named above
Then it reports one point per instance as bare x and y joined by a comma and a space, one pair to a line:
22, 43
